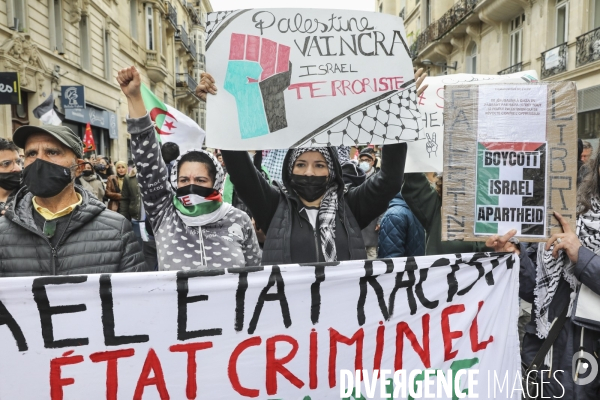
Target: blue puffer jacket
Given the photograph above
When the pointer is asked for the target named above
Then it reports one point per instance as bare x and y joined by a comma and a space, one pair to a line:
401, 234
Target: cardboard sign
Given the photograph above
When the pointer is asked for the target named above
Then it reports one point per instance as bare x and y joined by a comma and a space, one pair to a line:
10, 88
281, 332
308, 78
522, 140
72, 97
428, 155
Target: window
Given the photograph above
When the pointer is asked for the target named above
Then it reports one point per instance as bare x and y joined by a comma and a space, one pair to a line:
149, 29
472, 59
107, 58
165, 97
596, 14
56, 26
381, 7
133, 19
428, 18
562, 22
160, 40
176, 65
516, 39
84, 42
17, 14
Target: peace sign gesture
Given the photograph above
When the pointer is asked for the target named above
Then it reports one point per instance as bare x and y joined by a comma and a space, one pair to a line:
431, 145
567, 241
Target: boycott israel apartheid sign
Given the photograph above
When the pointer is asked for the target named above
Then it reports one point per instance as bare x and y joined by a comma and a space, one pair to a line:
448, 324
308, 78
522, 141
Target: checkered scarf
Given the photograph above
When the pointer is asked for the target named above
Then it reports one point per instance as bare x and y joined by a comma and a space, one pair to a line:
329, 204
551, 270
273, 163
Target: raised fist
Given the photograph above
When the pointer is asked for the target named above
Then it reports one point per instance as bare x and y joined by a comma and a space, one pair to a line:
258, 72
130, 82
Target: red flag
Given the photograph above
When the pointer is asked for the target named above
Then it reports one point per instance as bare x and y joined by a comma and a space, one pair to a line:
88, 141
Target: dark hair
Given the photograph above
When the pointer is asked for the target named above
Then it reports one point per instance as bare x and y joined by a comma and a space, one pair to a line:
170, 152
590, 187
8, 145
196, 156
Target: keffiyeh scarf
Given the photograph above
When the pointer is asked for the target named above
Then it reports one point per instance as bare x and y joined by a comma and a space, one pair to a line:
551, 270
329, 204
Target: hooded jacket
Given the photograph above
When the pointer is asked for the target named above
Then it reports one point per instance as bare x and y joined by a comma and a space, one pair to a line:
92, 184
229, 242
95, 241
277, 209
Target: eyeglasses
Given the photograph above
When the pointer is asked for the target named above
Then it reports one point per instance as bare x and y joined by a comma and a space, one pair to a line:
10, 164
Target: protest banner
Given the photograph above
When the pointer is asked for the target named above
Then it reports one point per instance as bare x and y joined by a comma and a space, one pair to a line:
522, 141
10, 88
308, 77
280, 332
428, 155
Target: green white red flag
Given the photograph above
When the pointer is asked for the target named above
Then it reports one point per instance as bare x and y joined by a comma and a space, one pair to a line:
171, 124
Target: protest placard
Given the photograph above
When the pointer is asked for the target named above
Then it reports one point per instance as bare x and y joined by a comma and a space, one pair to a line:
510, 156
281, 332
428, 155
308, 77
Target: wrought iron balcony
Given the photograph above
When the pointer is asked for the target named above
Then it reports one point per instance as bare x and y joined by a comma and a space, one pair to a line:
588, 47
451, 18
182, 36
172, 15
196, 19
554, 61
185, 80
512, 69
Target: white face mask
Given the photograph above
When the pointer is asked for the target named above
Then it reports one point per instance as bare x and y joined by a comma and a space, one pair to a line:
365, 166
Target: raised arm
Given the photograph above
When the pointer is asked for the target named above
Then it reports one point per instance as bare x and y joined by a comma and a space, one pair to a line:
152, 172
422, 199
369, 200
261, 198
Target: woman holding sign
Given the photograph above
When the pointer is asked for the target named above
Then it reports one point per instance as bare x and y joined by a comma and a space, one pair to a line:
312, 217
192, 225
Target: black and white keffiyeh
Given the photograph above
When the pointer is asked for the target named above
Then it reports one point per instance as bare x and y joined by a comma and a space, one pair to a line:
551, 270
329, 204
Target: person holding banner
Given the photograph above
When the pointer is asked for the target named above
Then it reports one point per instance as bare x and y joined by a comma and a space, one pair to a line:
311, 217
565, 281
193, 227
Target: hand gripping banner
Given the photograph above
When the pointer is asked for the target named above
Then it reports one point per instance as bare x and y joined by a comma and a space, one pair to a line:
443, 325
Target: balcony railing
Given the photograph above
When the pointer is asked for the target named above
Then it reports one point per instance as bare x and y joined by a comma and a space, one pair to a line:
512, 69
196, 19
192, 49
172, 15
436, 30
588, 47
554, 61
182, 36
186, 80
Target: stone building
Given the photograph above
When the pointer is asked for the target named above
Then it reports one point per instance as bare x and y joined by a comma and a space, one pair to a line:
85, 42
560, 39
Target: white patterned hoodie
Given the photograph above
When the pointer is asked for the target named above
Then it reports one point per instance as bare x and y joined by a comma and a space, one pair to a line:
228, 242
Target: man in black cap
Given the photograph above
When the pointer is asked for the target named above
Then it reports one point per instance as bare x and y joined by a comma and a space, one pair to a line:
10, 171
54, 227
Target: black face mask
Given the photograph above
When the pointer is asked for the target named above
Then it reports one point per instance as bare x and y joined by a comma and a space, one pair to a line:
45, 179
100, 168
10, 180
87, 172
310, 188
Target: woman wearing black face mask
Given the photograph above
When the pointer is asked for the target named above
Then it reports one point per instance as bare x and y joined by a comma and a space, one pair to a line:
312, 217
193, 227
10, 171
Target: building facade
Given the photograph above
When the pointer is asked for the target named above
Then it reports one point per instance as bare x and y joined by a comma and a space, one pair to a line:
54, 43
560, 39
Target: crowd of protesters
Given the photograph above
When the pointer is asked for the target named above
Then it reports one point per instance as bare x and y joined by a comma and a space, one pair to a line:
64, 212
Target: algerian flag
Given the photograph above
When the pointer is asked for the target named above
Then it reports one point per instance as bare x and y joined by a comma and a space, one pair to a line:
171, 124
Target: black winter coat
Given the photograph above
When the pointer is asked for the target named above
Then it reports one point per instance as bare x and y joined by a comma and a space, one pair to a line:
95, 241
587, 271
290, 236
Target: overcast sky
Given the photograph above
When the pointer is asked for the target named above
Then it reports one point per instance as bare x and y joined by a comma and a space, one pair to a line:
364, 5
